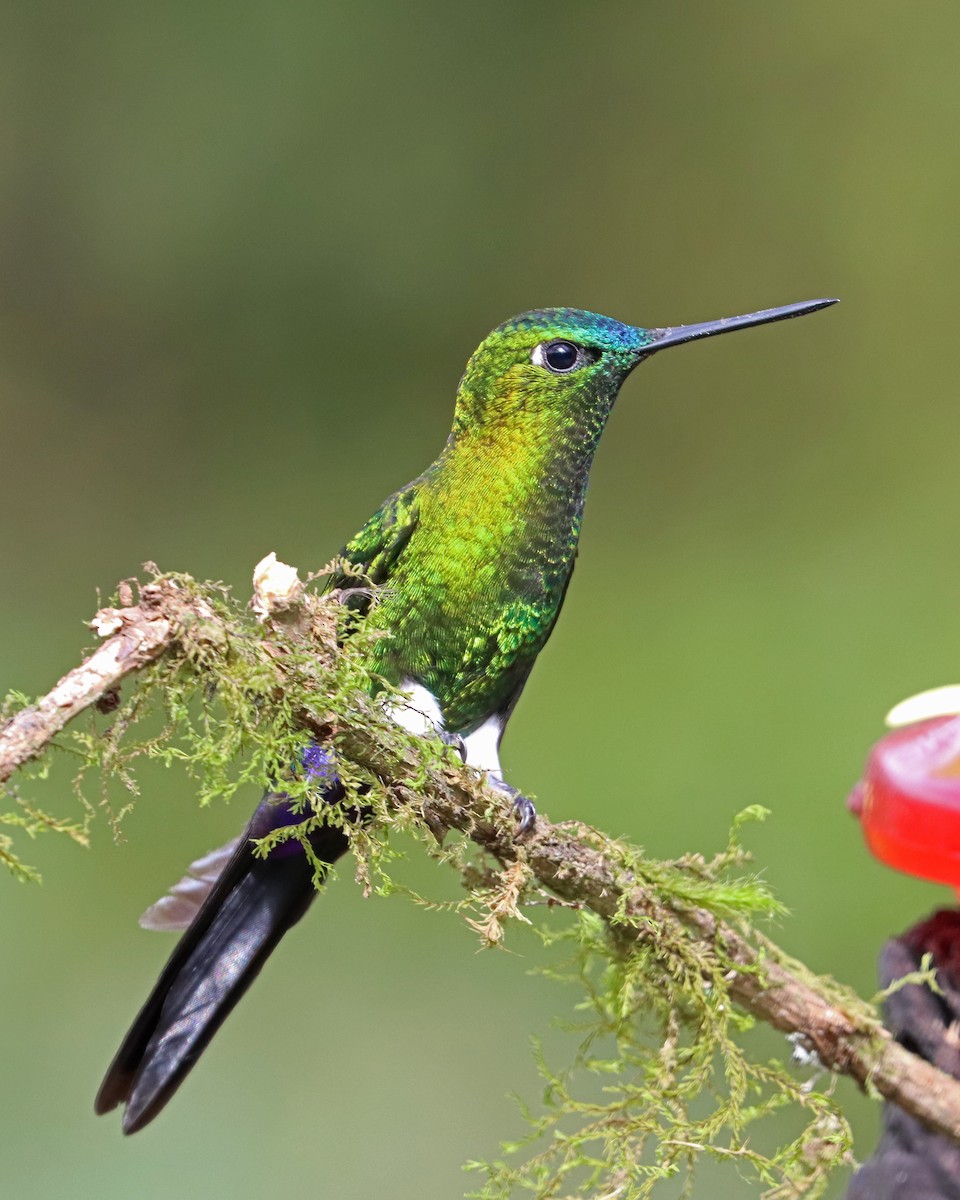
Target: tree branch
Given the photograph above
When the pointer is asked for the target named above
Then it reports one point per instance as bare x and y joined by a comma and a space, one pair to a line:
136, 636
576, 864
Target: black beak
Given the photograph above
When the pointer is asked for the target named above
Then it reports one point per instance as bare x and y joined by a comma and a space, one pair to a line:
676, 335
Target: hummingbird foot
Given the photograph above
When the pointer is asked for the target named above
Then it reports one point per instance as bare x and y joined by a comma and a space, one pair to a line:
525, 809
456, 741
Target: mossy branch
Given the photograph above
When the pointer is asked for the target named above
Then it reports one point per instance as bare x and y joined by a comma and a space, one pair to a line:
682, 928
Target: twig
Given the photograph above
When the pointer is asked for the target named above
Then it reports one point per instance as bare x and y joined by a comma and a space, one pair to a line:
580, 867
136, 636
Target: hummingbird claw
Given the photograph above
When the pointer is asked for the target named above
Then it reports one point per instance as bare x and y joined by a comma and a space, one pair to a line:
526, 813
525, 809
456, 741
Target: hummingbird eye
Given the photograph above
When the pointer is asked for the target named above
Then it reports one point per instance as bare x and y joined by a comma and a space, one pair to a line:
559, 356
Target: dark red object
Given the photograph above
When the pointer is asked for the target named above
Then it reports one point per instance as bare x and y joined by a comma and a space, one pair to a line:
910, 1161
908, 801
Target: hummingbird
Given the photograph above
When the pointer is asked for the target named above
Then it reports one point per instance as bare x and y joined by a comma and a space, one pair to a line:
470, 563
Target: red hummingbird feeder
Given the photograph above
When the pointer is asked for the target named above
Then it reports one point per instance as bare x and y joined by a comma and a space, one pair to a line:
908, 801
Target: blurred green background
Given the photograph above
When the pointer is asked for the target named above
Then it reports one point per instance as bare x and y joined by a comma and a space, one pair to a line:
245, 251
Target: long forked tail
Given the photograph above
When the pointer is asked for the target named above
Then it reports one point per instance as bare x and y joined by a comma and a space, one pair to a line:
248, 909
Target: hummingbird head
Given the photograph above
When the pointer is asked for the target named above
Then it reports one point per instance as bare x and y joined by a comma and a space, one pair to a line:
565, 361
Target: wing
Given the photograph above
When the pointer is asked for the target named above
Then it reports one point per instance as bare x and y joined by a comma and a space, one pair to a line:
507, 654
379, 544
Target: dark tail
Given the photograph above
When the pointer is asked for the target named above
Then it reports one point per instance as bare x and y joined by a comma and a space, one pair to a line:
252, 904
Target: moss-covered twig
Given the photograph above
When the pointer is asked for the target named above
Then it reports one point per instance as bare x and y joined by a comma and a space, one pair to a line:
291, 655
136, 635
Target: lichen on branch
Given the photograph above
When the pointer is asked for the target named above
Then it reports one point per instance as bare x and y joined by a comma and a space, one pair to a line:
670, 954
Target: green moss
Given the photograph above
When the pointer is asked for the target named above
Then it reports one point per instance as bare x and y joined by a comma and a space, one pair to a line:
660, 1078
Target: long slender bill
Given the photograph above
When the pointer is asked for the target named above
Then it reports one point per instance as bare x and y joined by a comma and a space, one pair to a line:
676, 335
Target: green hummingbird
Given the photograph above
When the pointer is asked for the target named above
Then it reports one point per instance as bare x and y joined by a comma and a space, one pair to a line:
472, 561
